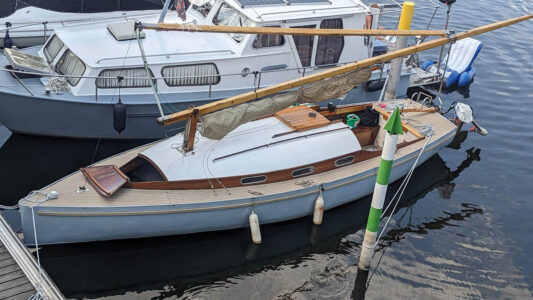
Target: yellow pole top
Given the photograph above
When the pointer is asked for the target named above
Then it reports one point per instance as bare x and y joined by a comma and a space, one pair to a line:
406, 17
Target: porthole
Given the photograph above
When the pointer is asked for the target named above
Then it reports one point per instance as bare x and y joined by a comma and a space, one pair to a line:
344, 161
253, 179
303, 171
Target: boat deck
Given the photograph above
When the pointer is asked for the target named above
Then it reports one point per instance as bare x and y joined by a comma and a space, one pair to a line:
68, 186
300, 118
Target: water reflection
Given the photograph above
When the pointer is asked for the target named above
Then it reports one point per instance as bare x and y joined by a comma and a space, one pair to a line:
398, 232
32, 162
172, 266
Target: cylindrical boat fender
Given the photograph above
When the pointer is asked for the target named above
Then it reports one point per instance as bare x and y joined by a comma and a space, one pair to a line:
319, 210
254, 228
119, 116
8, 43
375, 85
426, 65
466, 77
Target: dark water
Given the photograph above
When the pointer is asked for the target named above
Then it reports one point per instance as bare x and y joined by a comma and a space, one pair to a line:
463, 229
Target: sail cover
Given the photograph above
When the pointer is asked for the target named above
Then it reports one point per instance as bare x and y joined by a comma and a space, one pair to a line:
217, 124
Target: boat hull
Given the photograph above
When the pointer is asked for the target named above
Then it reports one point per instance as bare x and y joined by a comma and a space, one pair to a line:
91, 117
56, 225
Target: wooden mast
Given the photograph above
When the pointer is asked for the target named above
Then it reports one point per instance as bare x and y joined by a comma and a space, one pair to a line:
290, 31
249, 96
190, 131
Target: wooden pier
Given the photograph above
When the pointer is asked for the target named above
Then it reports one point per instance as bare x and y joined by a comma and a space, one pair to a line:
20, 275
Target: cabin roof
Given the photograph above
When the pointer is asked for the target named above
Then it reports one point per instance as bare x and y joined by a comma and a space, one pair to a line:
299, 9
97, 47
160, 46
237, 153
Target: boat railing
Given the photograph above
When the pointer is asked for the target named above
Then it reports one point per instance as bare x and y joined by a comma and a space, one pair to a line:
258, 75
260, 16
166, 55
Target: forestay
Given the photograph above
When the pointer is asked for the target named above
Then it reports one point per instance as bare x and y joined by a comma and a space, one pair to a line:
217, 124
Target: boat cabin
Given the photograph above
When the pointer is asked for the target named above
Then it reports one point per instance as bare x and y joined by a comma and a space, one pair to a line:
200, 63
298, 141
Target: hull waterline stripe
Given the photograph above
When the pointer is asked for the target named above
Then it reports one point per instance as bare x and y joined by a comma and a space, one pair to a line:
405, 159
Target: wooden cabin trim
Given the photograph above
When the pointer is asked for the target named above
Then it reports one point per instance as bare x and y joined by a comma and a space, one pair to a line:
235, 181
271, 177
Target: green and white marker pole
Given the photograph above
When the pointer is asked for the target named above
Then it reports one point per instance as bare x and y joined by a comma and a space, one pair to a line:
393, 128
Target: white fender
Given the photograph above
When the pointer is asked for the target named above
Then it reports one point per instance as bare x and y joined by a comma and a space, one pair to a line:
319, 210
254, 228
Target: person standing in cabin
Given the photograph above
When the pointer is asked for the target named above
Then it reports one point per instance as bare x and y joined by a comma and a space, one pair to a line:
369, 19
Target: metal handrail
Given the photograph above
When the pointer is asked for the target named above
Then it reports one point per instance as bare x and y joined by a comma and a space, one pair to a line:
168, 54
260, 16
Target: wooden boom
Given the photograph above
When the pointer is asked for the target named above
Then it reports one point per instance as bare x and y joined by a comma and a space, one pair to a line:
249, 96
289, 31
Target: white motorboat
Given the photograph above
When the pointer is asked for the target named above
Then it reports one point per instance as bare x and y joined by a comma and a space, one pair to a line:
107, 91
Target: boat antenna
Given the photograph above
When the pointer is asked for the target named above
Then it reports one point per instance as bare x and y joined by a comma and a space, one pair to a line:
138, 29
449, 5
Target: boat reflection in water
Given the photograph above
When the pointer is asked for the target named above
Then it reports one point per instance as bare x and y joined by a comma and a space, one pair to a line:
31, 162
172, 265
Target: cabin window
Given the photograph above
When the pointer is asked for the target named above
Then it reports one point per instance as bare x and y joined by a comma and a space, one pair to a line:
70, 64
267, 40
133, 78
52, 48
304, 46
191, 75
253, 179
205, 8
303, 171
329, 48
344, 161
228, 16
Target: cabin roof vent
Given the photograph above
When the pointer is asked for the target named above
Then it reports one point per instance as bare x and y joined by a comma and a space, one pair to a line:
124, 31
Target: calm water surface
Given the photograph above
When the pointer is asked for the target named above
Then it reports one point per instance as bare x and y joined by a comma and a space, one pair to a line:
463, 229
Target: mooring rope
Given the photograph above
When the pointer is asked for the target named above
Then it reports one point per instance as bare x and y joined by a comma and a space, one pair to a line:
49, 196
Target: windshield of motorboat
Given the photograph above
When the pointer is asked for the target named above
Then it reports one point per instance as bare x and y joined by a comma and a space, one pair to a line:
52, 48
70, 64
228, 16
204, 9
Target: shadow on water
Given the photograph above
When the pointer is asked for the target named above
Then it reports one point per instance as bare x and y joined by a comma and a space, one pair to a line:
172, 265
32, 162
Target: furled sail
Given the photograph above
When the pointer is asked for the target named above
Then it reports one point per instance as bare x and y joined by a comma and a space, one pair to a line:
217, 124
